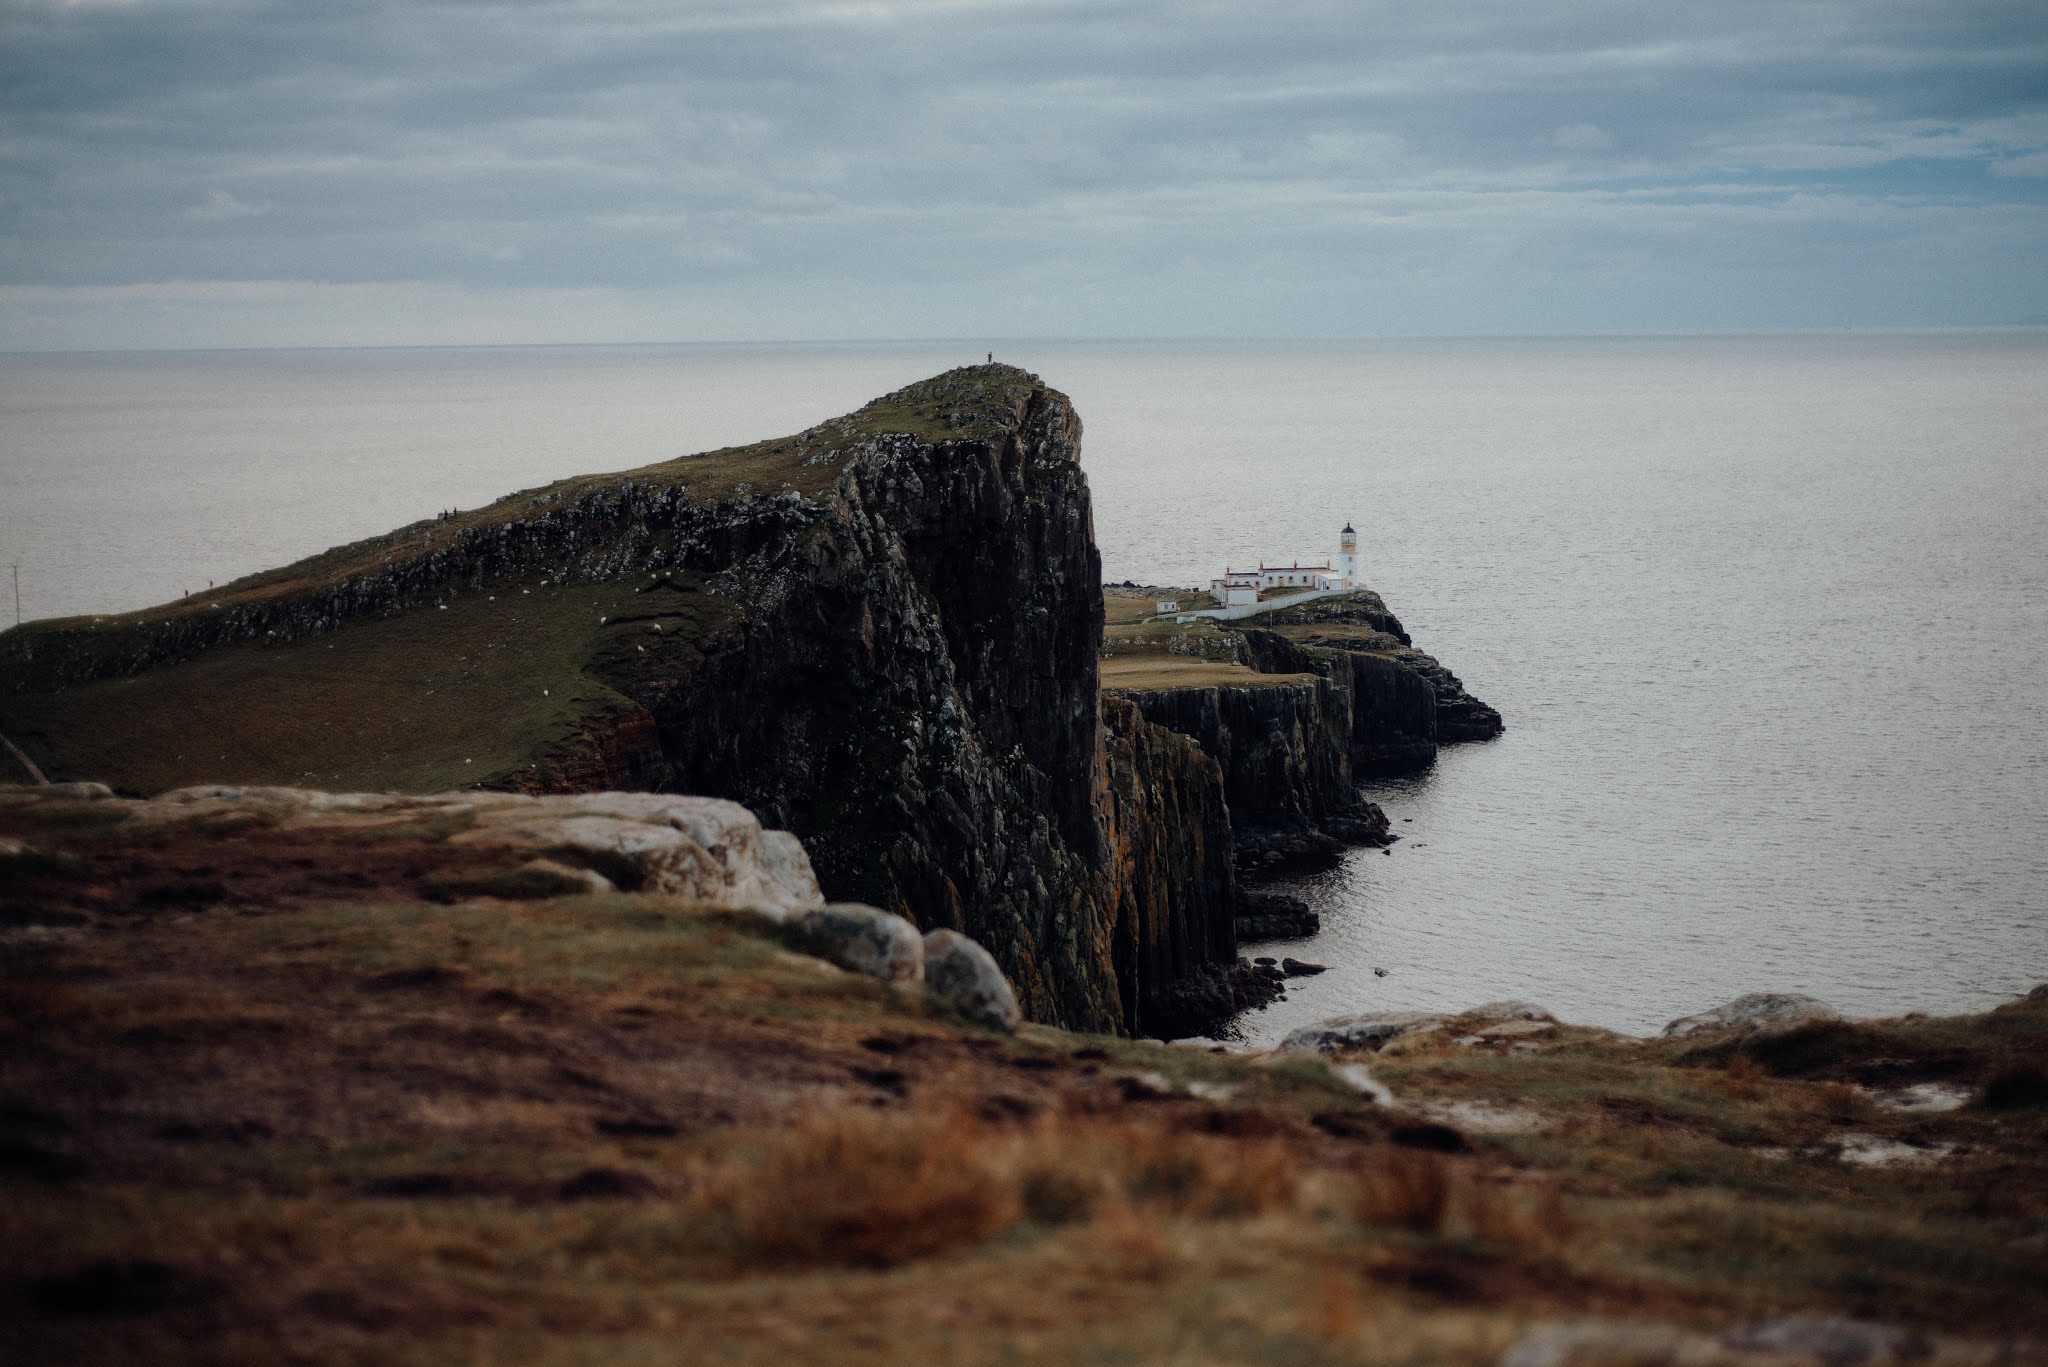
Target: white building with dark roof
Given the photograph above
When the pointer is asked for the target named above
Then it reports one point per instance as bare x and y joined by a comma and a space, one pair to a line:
1239, 587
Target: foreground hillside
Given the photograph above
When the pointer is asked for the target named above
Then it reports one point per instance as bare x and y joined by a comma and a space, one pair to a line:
292, 1078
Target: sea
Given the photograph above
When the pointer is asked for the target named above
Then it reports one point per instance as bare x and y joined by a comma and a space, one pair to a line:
1766, 615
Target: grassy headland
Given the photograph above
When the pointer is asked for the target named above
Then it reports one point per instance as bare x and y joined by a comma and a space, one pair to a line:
460, 675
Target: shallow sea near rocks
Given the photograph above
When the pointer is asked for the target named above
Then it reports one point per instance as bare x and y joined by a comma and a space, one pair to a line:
1767, 616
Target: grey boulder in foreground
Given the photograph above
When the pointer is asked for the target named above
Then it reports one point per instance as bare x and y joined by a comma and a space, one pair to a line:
1765, 1013
962, 974
864, 939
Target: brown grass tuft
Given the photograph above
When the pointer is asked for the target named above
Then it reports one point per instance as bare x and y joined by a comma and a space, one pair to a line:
1333, 1311
1132, 1237
868, 1188
1742, 1079
875, 1187
1208, 1177
1407, 1188
1430, 1194
1527, 1213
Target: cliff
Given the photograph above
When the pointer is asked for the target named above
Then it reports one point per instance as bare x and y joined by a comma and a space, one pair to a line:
879, 634
1359, 625
1283, 748
1389, 721
1173, 884
1295, 710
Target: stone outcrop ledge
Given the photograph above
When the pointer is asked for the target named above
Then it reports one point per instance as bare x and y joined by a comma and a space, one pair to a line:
702, 849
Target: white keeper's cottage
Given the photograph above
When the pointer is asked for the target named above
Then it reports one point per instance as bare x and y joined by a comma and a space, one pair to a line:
1238, 587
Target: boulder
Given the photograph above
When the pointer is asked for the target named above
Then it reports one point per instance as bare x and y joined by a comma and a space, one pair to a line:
864, 939
963, 975
1493, 1013
1762, 1013
1374, 1031
1513, 1029
1273, 916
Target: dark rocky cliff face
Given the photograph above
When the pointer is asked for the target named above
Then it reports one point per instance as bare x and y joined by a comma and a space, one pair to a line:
1284, 750
1393, 721
1171, 887
1359, 624
912, 691
1280, 745
1293, 750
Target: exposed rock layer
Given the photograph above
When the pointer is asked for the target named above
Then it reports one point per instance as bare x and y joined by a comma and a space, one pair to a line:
1292, 753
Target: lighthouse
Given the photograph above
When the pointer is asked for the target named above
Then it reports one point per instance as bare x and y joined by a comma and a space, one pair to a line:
1347, 558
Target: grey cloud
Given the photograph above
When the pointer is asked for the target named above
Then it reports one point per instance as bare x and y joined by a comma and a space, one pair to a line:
1132, 151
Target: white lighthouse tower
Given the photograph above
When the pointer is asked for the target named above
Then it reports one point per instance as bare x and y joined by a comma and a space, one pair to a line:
1347, 558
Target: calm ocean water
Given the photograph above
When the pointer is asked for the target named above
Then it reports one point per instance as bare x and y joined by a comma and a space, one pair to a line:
1767, 616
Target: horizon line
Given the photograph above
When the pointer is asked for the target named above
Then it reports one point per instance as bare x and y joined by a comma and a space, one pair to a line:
984, 343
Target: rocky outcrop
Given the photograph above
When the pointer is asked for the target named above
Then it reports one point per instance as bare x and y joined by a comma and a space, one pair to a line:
1171, 887
911, 688
1403, 703
1759, 1013
1285, 759
1273, 916
1790, 1341
1196, 1003
1360, 624
1393, 710
1362, 702
1372, 1031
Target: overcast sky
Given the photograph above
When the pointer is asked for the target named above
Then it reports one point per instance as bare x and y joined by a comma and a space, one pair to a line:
234, 172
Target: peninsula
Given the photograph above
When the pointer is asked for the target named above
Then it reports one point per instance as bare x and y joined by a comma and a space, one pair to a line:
884, 634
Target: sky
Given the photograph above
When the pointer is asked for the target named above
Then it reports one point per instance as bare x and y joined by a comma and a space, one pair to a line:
340, 172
